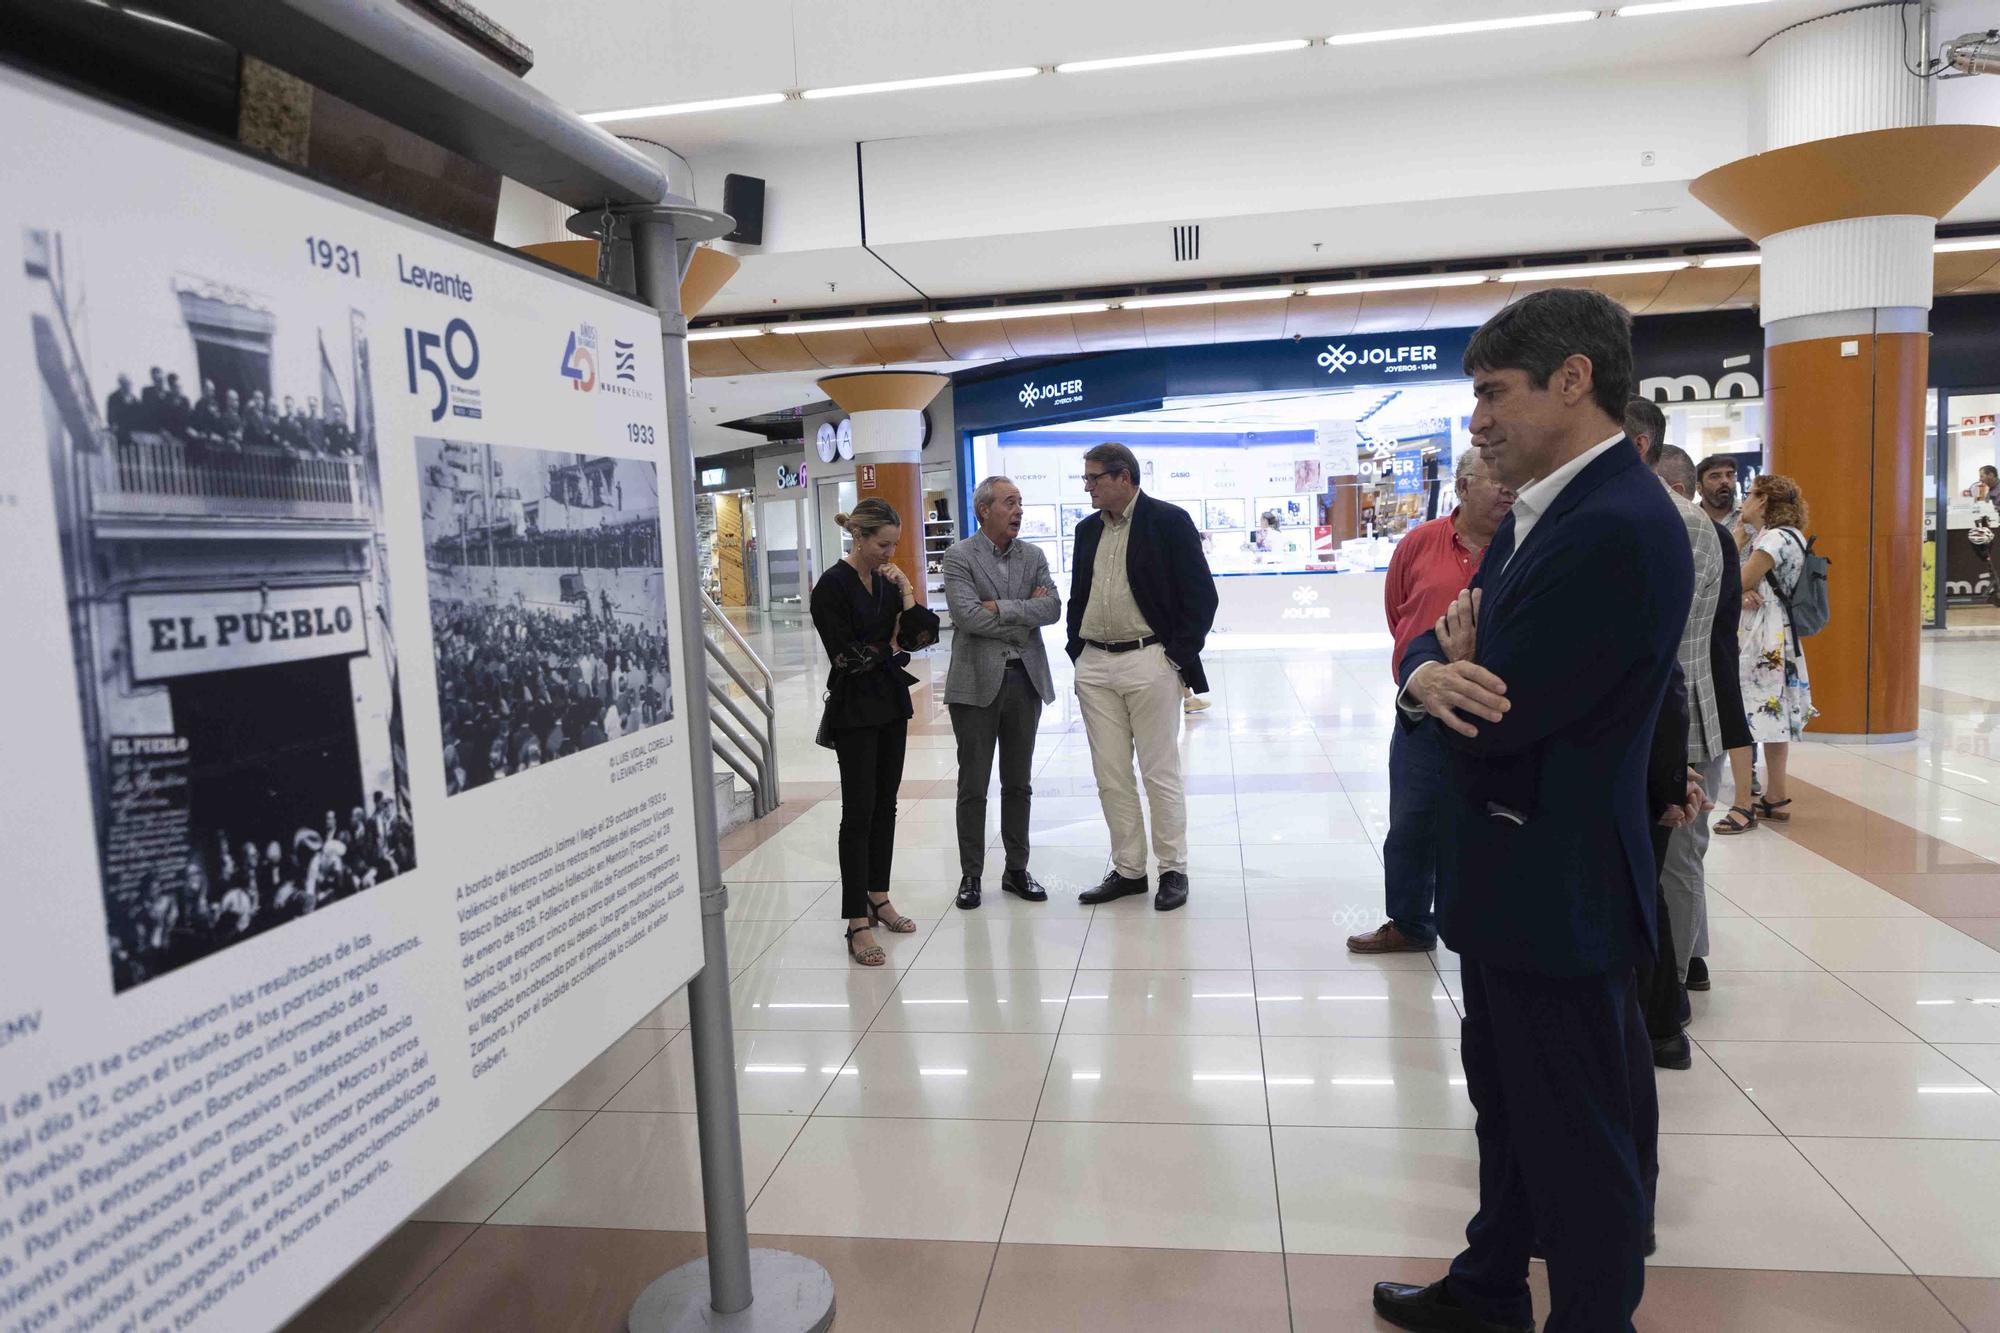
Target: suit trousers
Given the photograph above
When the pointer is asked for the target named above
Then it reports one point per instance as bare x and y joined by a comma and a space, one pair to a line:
1686, 888
1008, 723
1659, 988
1561, 1076
1409, 853
871, 774
1131, 703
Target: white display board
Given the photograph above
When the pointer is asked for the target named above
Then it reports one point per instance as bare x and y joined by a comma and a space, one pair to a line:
347, 803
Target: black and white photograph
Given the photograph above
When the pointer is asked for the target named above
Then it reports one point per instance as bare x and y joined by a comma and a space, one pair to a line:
214, 457
548, 604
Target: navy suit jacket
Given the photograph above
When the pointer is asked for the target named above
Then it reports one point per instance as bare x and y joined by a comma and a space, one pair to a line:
1583, 623
1170, 582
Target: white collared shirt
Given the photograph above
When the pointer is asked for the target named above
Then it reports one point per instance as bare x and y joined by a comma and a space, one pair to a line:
1539, 496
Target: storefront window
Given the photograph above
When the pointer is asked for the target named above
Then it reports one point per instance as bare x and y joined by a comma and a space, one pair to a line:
1276, 482
1720, 426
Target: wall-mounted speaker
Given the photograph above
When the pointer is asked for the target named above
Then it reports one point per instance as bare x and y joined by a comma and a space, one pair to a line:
743, 199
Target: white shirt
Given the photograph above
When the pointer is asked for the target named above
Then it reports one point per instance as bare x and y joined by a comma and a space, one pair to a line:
1539, 496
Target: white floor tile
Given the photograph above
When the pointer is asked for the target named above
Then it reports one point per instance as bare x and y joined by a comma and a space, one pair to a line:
1355, 1002
777, 1073
1377, 1191
981, 1000
1937, 1006
1207, 1003
1936, 1203
1788, 1006
1736, 1201
1897, 945
1190, 1187
1860, 1090
1150, 1079
1366, 1082
941, 1076
901, 1179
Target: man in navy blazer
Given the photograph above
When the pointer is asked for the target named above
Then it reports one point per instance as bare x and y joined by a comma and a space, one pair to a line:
1547, 696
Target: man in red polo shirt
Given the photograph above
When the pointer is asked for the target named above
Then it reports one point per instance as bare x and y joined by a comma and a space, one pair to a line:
1433, 564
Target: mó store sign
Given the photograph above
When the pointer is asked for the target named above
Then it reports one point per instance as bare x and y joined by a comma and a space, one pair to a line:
184, 634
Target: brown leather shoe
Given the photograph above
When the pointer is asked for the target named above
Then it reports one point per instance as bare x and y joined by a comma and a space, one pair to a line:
1385, 938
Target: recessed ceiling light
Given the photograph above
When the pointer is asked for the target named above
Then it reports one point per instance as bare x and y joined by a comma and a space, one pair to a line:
1399, 284
1592, 270
1746, 260
1677, 7
716, 335
1454, 29
906, 85
1176, 57
683, 108
1960, 244
842, 325
1209, 298
1025, 312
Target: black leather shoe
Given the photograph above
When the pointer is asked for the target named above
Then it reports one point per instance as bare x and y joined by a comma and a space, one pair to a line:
1023, 886
968, 892
1698, 974
1113, 887
1675, 1052
1173, 891
1432, 1310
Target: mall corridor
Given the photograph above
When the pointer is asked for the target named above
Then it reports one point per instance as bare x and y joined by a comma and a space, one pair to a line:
1043, 1117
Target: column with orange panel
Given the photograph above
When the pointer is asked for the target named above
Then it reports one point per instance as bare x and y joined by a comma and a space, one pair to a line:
886, 409
1844, 201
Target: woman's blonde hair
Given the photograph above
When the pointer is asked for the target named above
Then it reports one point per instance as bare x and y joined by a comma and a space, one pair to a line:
1784, 504
869, 517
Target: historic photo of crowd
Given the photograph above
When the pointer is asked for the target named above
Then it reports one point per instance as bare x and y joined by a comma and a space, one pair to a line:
235, 667
547, 604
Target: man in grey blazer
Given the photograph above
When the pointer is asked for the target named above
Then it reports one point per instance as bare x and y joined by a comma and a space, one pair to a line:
1001, 594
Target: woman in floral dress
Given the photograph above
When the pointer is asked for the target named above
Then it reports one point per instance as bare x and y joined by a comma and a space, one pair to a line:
1776, 691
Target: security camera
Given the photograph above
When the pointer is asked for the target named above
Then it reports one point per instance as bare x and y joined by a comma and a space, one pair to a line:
1974, 53
1298, 337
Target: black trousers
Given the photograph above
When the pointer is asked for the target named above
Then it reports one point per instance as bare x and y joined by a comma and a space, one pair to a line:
871, 772
1659, 976
1008, 723
1561, 1075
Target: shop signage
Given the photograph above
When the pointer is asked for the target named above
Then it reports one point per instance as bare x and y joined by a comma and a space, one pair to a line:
714, 476
1051, 393
179, 634
790, 477
1698, 357
1392, 359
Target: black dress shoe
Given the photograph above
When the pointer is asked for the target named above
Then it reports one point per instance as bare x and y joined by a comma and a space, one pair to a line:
1675, 1052
968, 892
1697, 974
1432, 1310
1173, 891
1112, 887
1023, 886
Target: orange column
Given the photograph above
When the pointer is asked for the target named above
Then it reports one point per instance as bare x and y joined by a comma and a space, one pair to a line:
1845, 422
886, 409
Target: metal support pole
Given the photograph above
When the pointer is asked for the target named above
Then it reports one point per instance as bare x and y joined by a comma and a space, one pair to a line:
734, 1288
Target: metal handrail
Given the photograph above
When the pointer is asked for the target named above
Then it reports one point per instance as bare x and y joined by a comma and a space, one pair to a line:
760, 783
766, 794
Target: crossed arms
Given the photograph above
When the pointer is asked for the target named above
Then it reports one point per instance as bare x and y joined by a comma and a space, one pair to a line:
1014, 621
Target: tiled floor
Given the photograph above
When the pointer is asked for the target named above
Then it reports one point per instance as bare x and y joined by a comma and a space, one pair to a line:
1052, 1117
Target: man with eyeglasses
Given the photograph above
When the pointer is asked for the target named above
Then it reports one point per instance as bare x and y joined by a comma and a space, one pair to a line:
1141, 603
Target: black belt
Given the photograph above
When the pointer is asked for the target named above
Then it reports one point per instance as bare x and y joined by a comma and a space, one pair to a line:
1128, 646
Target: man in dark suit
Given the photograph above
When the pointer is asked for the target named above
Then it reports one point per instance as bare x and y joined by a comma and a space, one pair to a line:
121, 411
1546, 885
1141, 601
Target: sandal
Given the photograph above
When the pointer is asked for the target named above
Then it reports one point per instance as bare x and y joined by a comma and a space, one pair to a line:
872, 956
901, 925
1739, 820
1773, 810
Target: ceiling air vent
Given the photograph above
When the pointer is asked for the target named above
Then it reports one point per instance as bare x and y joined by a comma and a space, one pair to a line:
1187, 242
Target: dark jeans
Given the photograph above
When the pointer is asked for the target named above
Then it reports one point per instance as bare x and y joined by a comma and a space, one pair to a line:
1561, 1074
871, 772
1409, 854
1009, 721
1659, 976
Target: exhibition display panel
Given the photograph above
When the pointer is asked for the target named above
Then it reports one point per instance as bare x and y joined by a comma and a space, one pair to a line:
349, 656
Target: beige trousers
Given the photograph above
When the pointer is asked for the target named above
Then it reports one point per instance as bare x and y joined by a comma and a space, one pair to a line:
1131, 703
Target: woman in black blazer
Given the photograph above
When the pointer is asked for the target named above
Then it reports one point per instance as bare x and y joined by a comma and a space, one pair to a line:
869, 621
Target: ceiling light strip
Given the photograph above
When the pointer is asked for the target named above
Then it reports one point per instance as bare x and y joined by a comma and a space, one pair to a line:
1592, 270
1209, 298
1458, 29
1177, 57
1365, 285
1748, 260
717, 335
1024, 312
845, 325
1961, 244
684, 108
911, 85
